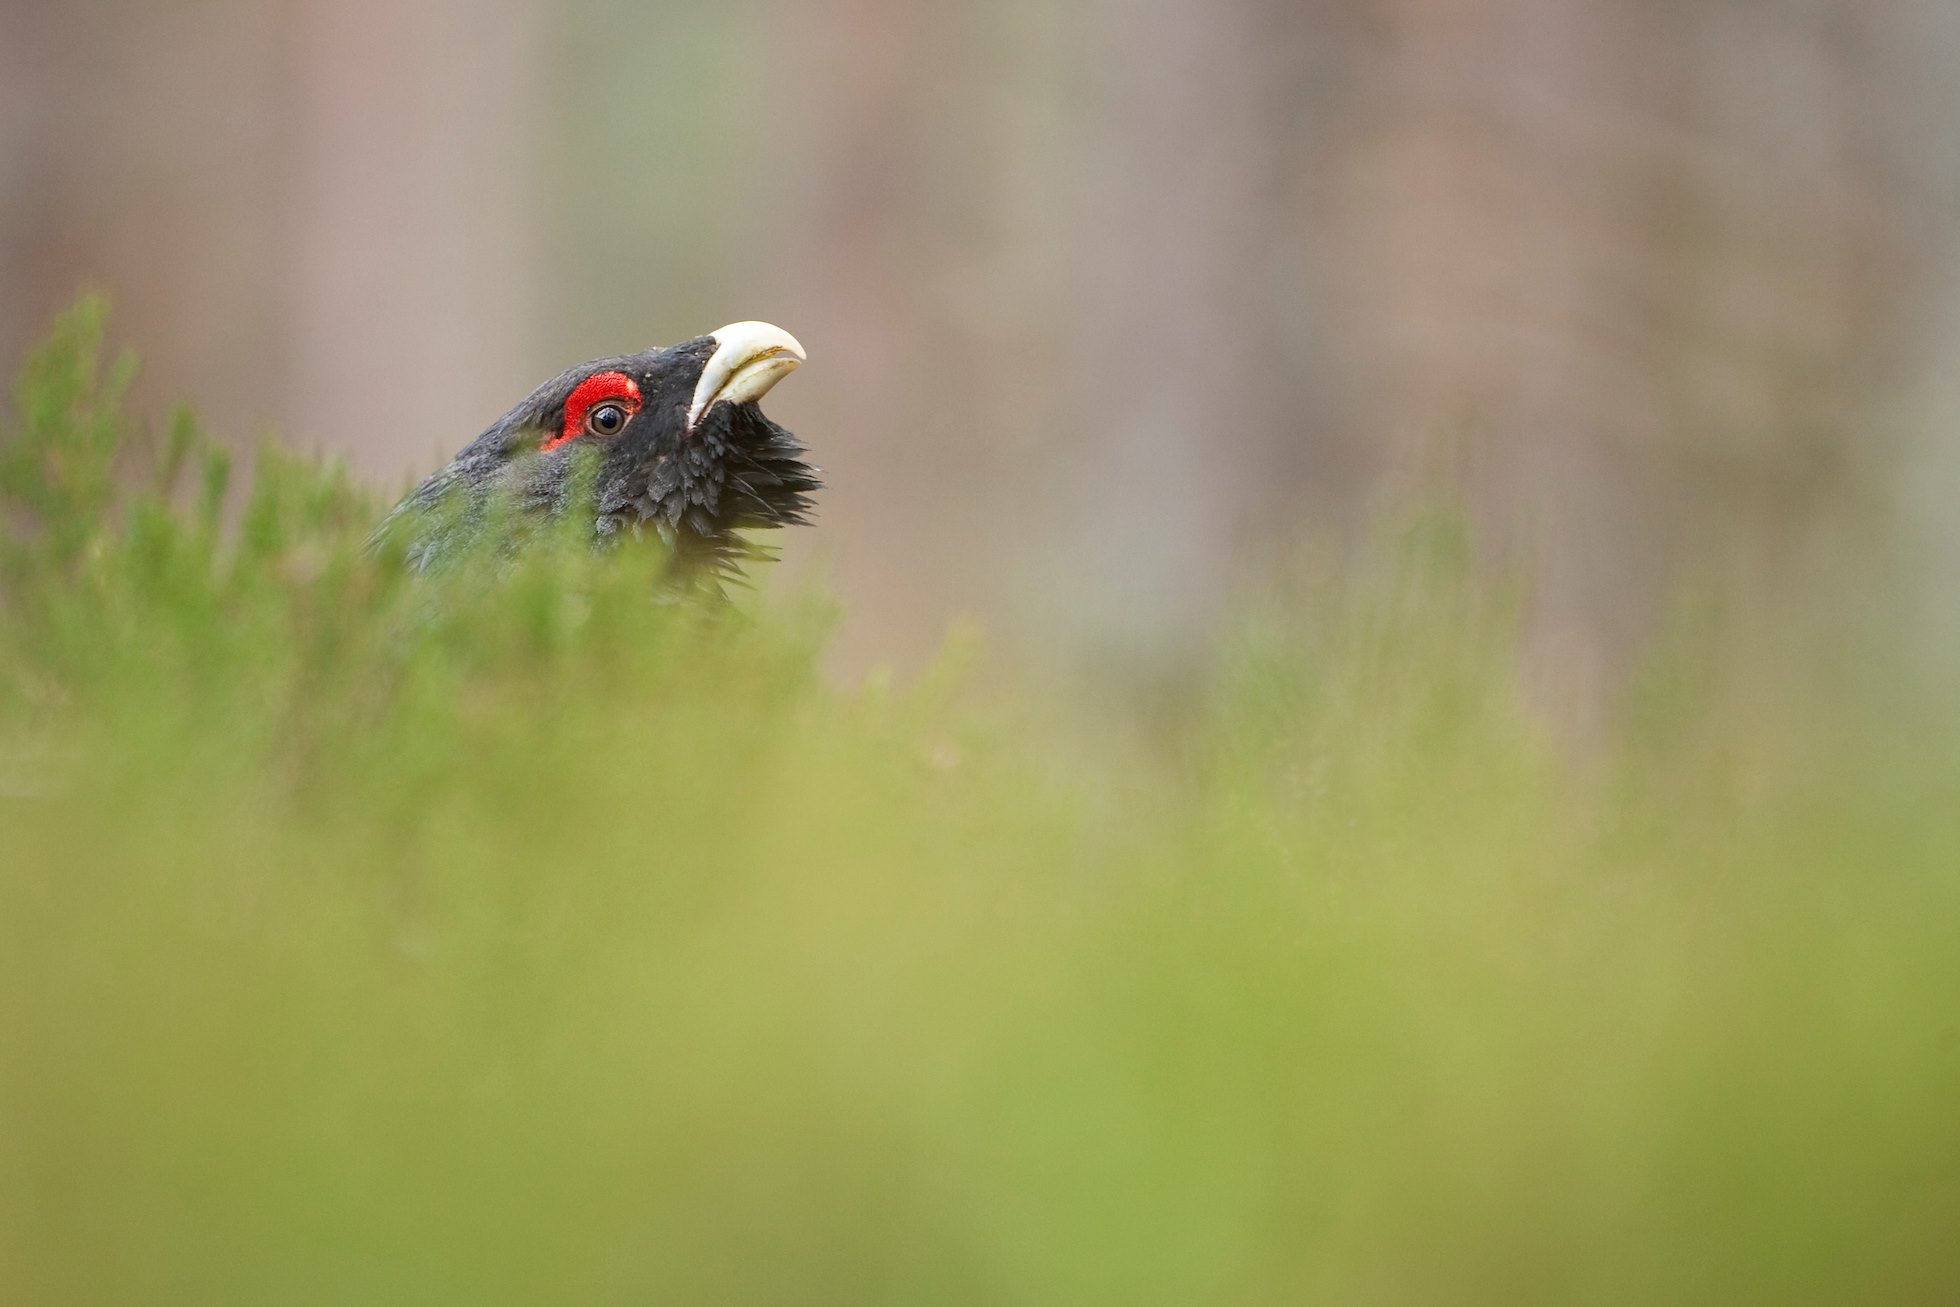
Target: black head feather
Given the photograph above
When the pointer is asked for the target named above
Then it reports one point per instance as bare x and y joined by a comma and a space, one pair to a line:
696, 488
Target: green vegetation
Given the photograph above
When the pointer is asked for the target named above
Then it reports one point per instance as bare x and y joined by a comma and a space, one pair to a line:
513, 939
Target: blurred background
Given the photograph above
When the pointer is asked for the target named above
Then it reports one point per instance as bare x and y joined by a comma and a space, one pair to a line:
1108, 305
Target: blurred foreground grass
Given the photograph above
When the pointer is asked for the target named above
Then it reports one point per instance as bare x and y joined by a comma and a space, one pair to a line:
518, 940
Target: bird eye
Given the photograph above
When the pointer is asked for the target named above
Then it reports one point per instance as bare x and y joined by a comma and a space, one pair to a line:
606, 420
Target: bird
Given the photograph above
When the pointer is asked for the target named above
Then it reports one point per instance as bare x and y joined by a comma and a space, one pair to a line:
672, 443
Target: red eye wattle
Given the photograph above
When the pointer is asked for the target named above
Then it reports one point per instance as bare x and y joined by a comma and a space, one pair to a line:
613, 390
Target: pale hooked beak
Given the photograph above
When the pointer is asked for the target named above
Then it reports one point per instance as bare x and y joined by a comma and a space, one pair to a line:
749, 358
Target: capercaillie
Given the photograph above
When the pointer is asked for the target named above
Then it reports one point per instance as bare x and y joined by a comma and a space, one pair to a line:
674, 444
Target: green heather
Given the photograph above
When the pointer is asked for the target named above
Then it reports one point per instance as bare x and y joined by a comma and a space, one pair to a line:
507, 937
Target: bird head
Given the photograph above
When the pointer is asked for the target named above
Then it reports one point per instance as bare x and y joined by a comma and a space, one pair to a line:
674, 442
